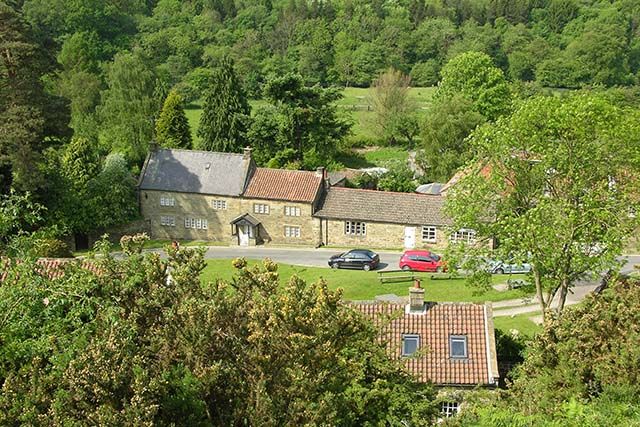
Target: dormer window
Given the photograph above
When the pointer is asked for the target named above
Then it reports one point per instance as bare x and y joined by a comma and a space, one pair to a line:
410, 344
458, 346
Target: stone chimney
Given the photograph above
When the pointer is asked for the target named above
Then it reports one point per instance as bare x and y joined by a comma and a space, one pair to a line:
416, 297
246, 154
321, 172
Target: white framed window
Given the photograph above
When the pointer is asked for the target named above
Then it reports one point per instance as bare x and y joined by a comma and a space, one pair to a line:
168, 221
219, 205
429, 233
464, 235
260, 208
167, 201
291, 231
458, 346
410, 344
355, 228
292, 211
449, 409
196, 223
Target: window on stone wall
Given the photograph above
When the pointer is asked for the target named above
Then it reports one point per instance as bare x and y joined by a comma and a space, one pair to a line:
429, 233
354, 228
464, 235
168, 221
196, 223
260, 208
219, 204
167, 201
292, 211
291, 231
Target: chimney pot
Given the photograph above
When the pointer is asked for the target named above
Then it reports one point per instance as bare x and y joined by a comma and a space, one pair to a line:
247, 153
320, 172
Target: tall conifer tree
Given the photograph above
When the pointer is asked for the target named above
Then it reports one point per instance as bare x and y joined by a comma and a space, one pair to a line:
172, 127
224, 119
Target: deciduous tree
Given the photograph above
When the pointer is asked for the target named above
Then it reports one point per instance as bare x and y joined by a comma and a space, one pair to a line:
557, 185
392, 105
128, 107
142, 341
444, 131
473, 76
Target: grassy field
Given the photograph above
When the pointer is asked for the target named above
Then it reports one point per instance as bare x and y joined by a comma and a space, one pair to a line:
364, 285
373, 156
520, 322
355, 101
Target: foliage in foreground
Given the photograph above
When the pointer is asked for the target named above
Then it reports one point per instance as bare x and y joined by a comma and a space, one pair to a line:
145, 343
582, 370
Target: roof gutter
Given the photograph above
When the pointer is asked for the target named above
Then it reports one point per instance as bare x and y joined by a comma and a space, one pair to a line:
490, 339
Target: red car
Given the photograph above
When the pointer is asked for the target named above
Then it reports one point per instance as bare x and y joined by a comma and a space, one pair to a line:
422, 261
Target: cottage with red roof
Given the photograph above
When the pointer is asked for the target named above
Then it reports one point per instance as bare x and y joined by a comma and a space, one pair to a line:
447, 344
201, 195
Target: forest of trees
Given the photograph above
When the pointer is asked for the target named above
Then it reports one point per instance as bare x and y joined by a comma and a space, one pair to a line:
85, 86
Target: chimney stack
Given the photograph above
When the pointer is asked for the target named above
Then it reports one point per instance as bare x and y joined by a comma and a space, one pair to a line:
246, 155
416, 297
321, 172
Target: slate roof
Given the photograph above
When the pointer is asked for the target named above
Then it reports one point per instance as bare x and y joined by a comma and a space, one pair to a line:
246, 217
191, 171
431, 188
282, 184
383, 206
53, 268
434, 327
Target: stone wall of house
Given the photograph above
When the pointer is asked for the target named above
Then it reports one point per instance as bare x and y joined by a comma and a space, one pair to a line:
272, 225
199, 206
379, 235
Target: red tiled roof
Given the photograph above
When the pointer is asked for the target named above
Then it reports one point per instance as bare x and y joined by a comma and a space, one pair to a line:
280, 184
434, 328
53, 268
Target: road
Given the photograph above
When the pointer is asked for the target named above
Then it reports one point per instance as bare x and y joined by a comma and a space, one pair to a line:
298, 256
309, 257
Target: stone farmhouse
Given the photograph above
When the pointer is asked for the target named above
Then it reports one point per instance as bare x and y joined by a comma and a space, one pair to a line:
200, 195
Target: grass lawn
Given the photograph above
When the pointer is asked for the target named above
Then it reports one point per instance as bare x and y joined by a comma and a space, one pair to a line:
373, 156
520, 322
364, 285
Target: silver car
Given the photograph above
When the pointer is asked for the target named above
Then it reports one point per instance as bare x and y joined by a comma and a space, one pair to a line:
501, 267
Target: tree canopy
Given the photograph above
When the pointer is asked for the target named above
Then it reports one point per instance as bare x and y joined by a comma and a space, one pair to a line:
223, 124
556, 184
142, 341
582, 369
172, 126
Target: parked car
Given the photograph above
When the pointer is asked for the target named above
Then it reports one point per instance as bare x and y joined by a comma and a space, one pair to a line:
501, 267
422, 261
355, 258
